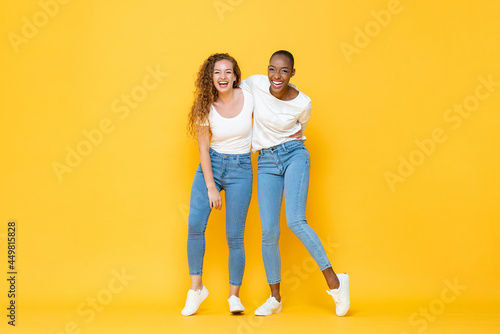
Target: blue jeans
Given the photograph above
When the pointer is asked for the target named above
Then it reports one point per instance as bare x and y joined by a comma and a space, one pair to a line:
233, 174
285, 167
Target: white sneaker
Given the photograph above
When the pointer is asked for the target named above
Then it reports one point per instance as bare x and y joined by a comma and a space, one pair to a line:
193, 300
235, 305
341, 295
271, 306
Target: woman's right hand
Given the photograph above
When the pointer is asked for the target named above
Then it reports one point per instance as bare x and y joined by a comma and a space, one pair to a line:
298, 135
214, 198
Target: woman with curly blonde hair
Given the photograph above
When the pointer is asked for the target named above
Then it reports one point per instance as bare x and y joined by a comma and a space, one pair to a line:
221, 121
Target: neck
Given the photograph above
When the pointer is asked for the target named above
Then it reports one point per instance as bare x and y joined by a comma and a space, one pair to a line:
283, 95
226, 97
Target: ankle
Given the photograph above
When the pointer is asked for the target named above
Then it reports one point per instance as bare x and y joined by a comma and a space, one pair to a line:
334, 283
234, 290
196, 282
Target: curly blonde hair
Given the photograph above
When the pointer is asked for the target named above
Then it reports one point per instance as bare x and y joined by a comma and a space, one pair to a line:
205, 91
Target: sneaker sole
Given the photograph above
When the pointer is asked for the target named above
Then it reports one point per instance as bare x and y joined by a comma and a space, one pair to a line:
278, 310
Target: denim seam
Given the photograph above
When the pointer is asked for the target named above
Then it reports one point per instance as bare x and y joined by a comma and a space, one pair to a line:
274, 282
241, 166
241, 232
279, 163
326, 266
317, 249
235, 284
204, 241
205, 218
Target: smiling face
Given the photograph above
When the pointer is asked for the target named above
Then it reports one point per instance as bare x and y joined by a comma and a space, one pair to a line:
279, 72
224, 76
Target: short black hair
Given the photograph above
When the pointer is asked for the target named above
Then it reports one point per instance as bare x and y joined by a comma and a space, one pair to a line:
284, 53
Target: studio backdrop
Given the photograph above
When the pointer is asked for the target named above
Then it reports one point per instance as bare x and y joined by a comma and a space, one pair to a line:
97, 166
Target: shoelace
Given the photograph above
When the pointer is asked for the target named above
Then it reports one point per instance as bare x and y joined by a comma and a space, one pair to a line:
335, 296
191, 298
269, 303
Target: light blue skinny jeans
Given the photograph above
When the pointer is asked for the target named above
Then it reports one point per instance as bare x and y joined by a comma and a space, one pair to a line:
285, 167
233, 174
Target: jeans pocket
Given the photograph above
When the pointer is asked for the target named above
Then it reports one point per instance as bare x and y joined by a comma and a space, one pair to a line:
245, 163
296, 145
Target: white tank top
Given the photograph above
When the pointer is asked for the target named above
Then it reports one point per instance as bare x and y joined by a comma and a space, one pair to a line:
232, 135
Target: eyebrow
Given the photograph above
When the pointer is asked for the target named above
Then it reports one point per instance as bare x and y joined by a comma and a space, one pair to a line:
281, 68
218, 69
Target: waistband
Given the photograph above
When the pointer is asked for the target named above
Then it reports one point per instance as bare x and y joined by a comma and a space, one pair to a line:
214, 153
287, 146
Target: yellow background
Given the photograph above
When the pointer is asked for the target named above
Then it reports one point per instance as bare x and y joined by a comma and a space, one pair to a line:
125, 205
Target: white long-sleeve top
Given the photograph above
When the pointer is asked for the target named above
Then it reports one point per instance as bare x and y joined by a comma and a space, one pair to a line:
274, 119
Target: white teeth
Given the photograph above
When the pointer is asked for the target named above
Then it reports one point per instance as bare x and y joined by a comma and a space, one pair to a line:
277, 83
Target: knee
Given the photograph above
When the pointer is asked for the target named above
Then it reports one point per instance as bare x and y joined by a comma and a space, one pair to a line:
195, 228
296, 225
234, 241
197, 221
270, 236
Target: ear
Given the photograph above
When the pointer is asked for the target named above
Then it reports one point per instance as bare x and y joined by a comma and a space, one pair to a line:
293, 72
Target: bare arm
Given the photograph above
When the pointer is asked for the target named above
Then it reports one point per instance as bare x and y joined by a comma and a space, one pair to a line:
206, 166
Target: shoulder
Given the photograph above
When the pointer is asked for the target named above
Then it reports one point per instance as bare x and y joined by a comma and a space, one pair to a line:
301, 97
245, 92
256, 79
260, 79
302, 100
